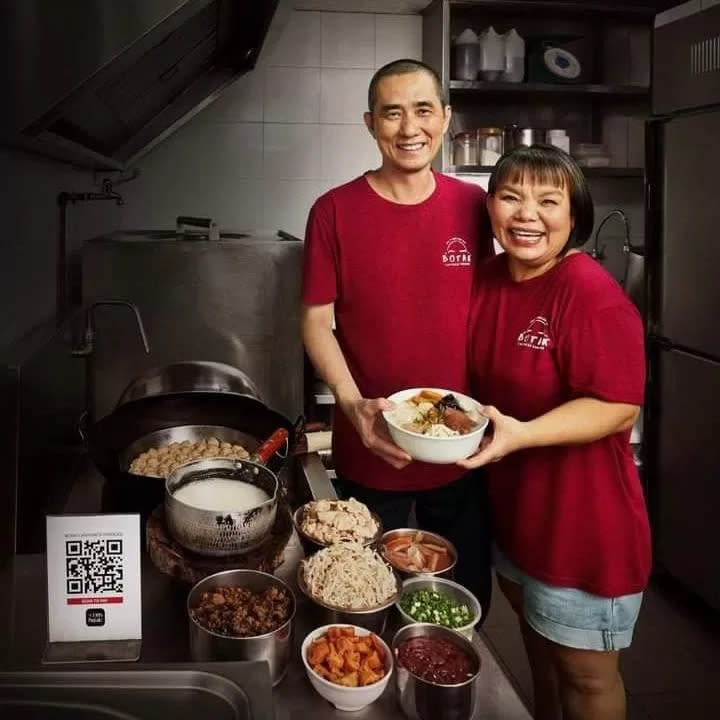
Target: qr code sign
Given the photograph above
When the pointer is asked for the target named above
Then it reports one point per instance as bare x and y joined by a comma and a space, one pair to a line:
94, 567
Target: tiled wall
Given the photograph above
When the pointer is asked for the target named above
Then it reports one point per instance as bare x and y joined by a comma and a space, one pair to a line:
257, 157
28, 248
283, 134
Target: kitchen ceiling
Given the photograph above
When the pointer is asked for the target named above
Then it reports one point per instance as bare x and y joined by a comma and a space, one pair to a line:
403, 7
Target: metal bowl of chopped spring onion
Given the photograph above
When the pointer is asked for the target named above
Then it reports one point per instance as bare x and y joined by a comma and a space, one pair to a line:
440, 602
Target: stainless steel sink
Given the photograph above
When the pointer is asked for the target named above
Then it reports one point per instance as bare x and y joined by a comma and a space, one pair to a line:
211, 691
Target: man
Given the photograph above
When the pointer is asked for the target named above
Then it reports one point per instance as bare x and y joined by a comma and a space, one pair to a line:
389, 256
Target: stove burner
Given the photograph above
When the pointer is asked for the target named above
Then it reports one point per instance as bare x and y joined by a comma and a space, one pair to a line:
173, 559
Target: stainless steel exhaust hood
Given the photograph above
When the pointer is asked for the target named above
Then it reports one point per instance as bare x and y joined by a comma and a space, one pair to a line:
99, 82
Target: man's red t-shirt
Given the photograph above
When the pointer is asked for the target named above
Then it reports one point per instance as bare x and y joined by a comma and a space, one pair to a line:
400, 277
570, 516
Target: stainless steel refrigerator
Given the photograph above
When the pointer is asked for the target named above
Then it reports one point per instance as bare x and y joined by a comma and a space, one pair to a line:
682, 421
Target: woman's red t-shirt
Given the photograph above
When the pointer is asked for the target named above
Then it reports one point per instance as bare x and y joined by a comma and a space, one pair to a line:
570, 516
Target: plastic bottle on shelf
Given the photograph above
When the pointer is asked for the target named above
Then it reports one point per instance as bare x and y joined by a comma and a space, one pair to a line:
466, 54
559, 138
514, 47
492, 55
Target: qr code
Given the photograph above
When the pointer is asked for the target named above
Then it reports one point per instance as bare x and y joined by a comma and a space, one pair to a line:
94, 567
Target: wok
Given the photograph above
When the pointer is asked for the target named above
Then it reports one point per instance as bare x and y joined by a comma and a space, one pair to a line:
109, 439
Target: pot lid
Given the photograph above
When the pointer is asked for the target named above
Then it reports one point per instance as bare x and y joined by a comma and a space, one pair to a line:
196, 376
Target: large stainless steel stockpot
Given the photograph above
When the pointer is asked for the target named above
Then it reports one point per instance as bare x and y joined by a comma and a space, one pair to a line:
224, 532
273, 647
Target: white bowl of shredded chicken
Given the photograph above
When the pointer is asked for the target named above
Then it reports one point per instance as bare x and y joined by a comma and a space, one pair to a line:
349, 583
435, 425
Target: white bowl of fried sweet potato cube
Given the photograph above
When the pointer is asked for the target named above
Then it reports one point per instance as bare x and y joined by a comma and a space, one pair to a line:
347, 665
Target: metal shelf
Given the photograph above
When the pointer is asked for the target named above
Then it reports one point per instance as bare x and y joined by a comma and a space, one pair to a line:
565, 8
588, 171
534, 88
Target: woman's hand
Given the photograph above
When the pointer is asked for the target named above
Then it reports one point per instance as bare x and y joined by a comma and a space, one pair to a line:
576, 422
366, 417
508, 435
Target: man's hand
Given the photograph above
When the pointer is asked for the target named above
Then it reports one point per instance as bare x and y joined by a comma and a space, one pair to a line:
508, 435
366, 417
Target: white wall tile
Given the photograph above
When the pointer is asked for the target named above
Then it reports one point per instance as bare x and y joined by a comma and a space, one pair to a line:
299, 43
397, 36
343, 96
292, 94
236, 206
207, 149
203, 171
292, 152
347, 151
348, 40
288, 202
232, 153
241, 102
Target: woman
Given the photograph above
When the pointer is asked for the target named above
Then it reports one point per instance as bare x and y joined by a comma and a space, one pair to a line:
558, 348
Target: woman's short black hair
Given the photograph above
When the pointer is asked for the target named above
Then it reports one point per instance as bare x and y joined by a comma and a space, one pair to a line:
551, 165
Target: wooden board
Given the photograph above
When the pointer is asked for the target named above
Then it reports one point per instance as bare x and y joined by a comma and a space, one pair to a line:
173, 559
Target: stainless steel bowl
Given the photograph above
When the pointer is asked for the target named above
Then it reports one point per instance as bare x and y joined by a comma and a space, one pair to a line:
181, 433
274, 647
423, 700
220, 533
448, 587
310, 545
448, 572
373, 619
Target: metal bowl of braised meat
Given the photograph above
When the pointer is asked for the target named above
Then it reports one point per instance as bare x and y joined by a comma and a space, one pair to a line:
435, 425
242, 615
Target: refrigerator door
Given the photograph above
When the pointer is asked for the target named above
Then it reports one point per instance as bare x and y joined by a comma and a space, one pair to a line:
685, 498
689, 227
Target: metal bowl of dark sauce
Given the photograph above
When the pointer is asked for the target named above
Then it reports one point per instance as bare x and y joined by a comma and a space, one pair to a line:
436, 672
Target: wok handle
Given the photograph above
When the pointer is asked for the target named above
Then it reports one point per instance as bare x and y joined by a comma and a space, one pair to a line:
276, 441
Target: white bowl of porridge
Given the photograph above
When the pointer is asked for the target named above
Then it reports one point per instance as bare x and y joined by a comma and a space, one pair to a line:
435, 425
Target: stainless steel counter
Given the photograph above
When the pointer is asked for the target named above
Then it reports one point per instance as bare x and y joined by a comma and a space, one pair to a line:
165, 640
23, 632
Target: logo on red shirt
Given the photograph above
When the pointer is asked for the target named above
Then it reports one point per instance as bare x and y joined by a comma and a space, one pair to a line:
456, 253
537, 334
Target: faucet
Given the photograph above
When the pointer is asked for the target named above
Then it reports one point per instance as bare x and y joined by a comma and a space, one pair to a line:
87, 348
598, 252
62, 301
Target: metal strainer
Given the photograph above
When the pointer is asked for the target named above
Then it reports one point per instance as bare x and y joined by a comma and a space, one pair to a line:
219, 532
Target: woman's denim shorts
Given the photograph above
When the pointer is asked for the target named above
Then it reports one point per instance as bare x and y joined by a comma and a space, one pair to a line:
571, 617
